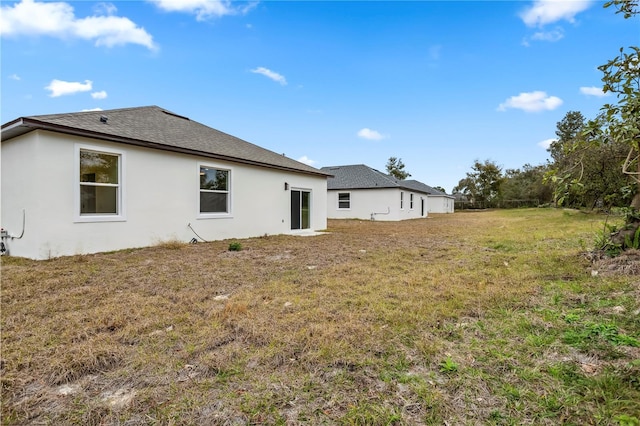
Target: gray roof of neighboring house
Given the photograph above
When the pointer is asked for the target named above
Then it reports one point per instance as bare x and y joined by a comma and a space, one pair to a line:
155, 127
359, 176
425, 188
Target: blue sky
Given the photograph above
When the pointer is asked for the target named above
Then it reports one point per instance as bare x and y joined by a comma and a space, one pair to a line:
438, 84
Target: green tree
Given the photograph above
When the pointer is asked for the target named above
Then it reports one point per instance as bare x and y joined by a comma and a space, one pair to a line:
395, 167
482, 186
568, 130
628, 8
586, 167
526, 186
620, 121
568, 155
604, 185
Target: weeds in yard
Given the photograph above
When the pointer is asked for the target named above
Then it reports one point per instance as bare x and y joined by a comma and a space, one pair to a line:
472, 318
170, 245
448, 366
235, 246
371, 415
587, 333
626, 420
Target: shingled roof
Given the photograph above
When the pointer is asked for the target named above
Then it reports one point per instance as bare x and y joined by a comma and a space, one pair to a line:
359, 176
417, 185
158, 128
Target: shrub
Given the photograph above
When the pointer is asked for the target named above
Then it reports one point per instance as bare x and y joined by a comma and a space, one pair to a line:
235, 246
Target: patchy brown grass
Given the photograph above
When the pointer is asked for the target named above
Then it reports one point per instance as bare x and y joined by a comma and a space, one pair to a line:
458, 318
627, 263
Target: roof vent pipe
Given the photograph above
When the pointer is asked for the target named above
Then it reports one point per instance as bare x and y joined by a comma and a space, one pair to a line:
103, 118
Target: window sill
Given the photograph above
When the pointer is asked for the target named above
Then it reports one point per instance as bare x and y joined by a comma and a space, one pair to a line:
99, 218
214, 216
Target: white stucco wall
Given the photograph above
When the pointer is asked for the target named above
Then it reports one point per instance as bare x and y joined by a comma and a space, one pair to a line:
384, 202
161, 198
19, 164
440, 204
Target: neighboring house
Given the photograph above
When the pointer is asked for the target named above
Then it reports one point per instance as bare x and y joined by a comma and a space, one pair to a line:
360, 192
438, 201
89, 182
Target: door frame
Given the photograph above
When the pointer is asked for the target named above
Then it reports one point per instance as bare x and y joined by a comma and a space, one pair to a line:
299, 209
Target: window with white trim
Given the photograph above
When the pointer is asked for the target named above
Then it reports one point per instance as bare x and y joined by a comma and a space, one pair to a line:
214, 190
99, 195
344, 200
401, 200
411, 201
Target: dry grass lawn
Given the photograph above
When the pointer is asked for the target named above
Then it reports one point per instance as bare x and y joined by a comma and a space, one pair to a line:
472, 318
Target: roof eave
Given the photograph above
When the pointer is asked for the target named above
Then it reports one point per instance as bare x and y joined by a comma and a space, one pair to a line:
14, 128
350, 188
24, 125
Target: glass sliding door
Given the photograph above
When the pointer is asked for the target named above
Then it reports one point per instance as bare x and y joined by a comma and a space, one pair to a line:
305, 209
300, 209
295, 209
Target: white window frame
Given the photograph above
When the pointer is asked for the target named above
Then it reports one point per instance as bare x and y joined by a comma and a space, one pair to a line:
338, 200
121, 193
401, 200
229, 192
411, 201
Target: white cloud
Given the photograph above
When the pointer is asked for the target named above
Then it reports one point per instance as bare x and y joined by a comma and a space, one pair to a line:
60, 88
105, 9
204, 9
15, 77
112, 31
99, 95
546, 143
369, 134
543, 12
57, 19
91, 110
593, 91
304, 159
552, 36
531, 102
271, 74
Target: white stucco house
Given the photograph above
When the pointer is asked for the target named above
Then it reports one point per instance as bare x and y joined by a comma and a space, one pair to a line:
361, 192
89, 182
437, 201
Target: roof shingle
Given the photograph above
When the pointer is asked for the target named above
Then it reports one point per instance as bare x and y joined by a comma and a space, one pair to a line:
360, 176
158, 128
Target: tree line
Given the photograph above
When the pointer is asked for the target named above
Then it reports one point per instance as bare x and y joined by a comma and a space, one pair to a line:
583, 172
594, 163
